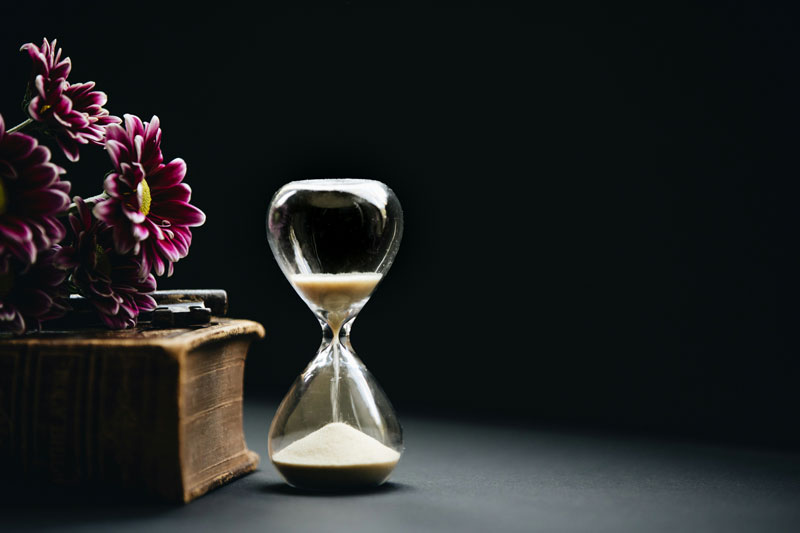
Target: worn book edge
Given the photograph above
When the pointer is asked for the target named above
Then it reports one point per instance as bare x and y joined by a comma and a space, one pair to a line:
244, 462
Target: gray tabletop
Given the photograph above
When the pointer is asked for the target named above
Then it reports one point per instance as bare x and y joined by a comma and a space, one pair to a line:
482, 478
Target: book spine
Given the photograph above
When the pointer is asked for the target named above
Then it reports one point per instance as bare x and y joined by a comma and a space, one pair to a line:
71, 415
41, 396
163, 414
11, 372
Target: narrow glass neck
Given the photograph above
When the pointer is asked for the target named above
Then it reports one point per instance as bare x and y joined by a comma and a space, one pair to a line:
336, 331
336, 348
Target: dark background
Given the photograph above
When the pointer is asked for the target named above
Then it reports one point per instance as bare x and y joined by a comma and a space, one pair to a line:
600, 204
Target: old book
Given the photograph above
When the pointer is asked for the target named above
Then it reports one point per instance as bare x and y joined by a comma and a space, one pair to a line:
156, 410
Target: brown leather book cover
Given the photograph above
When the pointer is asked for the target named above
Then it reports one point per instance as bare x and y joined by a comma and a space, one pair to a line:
156, 410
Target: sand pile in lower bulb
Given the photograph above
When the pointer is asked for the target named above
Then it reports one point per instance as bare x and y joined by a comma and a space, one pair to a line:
336, 457
336, 444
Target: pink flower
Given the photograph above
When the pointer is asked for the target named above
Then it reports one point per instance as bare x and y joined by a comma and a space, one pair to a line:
74, 114
31, 196
148, 205
31, 294
111, 281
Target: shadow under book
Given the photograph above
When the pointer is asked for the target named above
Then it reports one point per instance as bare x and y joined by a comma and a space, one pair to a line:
156, 410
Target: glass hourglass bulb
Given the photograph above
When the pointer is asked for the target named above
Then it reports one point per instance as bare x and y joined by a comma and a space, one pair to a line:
335, 239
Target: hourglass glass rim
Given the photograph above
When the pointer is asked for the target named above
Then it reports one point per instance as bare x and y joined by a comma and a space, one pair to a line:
325, 184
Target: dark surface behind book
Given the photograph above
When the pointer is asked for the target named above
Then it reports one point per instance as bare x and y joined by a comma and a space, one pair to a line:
600, 207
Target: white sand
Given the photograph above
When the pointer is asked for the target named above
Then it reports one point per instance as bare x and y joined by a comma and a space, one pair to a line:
336, 444
336, 293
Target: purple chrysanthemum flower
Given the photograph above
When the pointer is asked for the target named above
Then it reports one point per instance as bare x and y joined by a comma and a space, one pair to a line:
49, 70
148, 204
31, 294
74, 114
111, 281
31, 196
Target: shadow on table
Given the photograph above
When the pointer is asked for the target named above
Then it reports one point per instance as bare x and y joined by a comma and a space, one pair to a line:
288, 490
33, 505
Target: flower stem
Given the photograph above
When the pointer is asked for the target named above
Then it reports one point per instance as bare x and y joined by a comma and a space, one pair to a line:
96, 198
90, 202
20, 126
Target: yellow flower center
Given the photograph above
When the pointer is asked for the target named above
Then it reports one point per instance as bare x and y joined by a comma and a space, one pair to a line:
144, 193
2, 197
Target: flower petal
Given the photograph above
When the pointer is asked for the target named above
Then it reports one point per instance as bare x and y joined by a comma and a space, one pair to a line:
169, 175
179, 213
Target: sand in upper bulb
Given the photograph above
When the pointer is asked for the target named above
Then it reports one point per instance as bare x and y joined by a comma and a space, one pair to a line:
336, 293
336, 456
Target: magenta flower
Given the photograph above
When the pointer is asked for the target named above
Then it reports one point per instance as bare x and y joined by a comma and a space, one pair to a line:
74, 114
49, 70
31, 196
148, 205
111, 281
31, 293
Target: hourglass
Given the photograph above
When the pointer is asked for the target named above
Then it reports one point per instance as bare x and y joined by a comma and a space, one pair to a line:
335, 239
